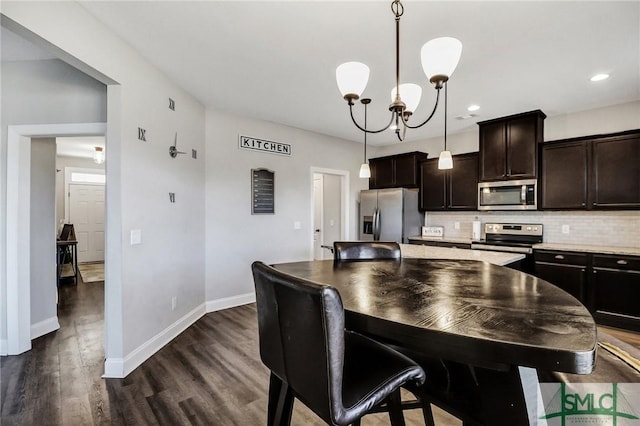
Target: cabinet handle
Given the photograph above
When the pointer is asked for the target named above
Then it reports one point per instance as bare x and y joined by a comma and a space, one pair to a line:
559, 257
582, 270
595, 272
583, 204
621, 262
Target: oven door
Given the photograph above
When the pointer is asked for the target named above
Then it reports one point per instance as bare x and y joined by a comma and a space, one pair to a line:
508, 195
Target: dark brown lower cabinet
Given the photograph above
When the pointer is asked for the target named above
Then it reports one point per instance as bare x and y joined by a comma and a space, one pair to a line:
616, 290
565, 270
608, 285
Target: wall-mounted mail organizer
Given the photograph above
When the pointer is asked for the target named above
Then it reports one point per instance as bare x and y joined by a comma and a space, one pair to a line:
262, 191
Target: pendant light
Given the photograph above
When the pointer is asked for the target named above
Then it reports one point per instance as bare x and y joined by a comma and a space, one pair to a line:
445, 161
365, 172
439, 58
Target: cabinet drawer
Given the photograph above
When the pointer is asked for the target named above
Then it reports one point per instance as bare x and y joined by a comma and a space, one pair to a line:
561, 257
625, 263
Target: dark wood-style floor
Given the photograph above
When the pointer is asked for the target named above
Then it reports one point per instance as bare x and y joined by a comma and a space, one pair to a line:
211, 375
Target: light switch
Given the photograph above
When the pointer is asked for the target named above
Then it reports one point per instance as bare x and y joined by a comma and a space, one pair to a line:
136, 236
296, 225
566, 229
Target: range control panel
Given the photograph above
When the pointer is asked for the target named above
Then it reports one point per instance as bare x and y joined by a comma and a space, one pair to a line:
533, 229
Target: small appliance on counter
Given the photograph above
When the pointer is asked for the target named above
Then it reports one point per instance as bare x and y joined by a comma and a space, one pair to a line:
476, 231
433, 232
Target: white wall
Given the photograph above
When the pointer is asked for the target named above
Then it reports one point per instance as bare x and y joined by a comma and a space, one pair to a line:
41, 92
235, 238
43, 235
141, 279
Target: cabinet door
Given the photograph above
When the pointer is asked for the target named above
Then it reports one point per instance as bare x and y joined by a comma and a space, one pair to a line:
381, 173
493, 147
432, 186
570, 278
406, 171
462, 183
616, 292
521, 147
616, 173
564, 176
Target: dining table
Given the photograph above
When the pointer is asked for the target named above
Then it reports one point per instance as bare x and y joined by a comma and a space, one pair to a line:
498, 325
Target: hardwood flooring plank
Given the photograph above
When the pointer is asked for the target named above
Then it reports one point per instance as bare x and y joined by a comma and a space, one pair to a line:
211, 374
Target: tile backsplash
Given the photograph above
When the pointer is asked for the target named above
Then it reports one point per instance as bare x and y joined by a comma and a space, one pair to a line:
614, 229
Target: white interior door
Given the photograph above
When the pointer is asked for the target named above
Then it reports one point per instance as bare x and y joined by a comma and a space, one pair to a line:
86, 213
317, 217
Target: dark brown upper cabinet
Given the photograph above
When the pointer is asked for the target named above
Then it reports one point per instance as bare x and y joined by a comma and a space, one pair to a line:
508, 146
615, 178
396, 171
453, 189
591, 172
563, 176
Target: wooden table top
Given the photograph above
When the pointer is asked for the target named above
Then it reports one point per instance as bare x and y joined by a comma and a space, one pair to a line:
462, 310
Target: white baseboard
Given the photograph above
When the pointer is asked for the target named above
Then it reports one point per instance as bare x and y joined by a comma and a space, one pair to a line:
230, 302
44, 327
4, 347
119, 368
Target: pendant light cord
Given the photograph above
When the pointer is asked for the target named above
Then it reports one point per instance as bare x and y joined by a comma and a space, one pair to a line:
445, 116
365, 133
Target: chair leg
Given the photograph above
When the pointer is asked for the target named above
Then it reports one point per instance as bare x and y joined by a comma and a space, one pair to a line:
427, 413
395, 409
280, 403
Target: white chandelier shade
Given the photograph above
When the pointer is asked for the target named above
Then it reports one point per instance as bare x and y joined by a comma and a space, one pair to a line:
410, 94
352, 78
440, 56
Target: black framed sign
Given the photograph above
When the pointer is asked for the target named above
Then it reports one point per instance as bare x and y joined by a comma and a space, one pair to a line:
262, 191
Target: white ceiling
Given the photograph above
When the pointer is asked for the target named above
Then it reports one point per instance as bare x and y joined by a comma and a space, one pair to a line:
276, 61
80, 146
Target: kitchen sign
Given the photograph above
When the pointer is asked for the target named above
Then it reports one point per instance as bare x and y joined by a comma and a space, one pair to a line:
253, 144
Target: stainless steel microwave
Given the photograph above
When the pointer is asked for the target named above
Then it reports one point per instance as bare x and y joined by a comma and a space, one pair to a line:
508, 195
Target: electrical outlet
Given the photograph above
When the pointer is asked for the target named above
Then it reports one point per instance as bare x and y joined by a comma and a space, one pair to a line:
297, 225
174, 301
566, 229
456, 225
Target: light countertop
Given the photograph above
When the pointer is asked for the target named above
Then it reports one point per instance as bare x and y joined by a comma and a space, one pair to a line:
630, 251
431, 252
442, 240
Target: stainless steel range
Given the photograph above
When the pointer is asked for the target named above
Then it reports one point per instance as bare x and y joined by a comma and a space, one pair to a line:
510, 237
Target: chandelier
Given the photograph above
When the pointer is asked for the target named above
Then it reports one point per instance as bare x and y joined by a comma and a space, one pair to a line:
439, 56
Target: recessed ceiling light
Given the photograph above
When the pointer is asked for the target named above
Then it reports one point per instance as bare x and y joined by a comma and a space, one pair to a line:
600, 77
465, 117
473, 107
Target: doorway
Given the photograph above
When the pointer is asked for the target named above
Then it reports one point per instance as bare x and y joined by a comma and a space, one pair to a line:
329, 210
19, 330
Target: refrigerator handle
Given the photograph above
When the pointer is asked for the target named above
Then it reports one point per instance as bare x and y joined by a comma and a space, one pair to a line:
376, 225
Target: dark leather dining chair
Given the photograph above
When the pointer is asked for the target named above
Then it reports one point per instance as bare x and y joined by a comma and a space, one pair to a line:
366, 250
340, 375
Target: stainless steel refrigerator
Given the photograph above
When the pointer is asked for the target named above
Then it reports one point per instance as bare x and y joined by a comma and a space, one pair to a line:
389, 215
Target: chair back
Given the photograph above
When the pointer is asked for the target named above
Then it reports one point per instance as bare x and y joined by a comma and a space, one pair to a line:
301, 333
366, 250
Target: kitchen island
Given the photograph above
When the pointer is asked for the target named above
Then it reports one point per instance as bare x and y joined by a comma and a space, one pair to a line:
415, 251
